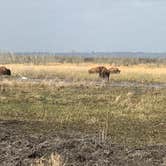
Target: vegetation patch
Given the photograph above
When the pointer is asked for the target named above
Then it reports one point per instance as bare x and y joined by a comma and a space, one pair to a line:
131, 116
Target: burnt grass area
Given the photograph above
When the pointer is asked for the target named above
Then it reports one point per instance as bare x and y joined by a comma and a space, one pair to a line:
23, 142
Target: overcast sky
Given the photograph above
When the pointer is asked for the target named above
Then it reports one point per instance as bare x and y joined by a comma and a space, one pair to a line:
83, 25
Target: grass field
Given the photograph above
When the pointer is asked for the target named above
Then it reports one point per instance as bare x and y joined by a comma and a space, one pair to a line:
130, 115
64, 97
78, 72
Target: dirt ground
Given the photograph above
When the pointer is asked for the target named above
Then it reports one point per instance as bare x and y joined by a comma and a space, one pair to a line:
21, 145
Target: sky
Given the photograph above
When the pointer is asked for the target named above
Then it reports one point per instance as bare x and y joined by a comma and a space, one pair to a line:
83, 25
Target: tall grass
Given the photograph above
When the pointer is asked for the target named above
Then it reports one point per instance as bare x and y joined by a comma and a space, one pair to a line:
6, 58
79, 72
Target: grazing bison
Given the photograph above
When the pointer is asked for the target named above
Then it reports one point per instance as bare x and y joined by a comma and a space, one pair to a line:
97, 69
4, 71
104, 72
114, 70
101, 70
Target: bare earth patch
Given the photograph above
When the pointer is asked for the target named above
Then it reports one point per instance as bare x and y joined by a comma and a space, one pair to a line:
20, 146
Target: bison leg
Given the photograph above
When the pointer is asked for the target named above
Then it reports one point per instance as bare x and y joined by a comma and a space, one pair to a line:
108, 77
101, 75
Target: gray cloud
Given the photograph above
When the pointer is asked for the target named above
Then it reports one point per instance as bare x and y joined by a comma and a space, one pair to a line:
61, 25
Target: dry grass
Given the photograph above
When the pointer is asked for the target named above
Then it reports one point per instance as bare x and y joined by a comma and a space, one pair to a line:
76, 72
53, 160
144, 73
130, 115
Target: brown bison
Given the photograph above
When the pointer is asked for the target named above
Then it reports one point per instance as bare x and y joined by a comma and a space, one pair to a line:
97, 69
101, 70
105, 73
4, 71
114, 70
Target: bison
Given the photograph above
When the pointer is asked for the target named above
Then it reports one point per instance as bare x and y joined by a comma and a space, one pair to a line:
101, 70
97, 69
104, 72
4, 71
114, 70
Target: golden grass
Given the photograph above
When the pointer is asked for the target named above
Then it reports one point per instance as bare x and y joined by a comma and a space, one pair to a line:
54, 160
141, 73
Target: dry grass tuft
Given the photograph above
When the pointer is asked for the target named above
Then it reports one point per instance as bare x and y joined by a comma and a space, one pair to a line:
52, 160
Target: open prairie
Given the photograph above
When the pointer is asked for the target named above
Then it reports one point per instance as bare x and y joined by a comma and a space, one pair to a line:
79, 72
61, 108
